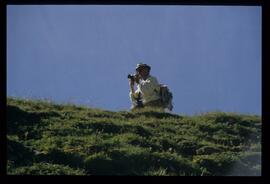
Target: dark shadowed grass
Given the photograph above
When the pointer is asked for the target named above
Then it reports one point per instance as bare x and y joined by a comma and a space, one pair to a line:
45, 138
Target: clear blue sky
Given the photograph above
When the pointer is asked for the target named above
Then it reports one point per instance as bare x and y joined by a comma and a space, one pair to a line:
210, 56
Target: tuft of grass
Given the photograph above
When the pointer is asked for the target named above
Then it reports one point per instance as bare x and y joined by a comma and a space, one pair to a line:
44, 169
45, 138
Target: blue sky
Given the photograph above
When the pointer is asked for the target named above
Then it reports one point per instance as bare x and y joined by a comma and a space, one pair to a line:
209, 56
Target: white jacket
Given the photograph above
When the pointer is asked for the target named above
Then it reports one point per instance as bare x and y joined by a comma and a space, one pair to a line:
149, 89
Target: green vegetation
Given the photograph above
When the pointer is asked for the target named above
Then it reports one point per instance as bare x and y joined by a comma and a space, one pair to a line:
45, 138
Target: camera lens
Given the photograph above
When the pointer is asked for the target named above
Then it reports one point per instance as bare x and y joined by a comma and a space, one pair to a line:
131, 77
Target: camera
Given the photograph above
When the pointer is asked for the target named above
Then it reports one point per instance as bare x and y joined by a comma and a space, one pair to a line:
131, 77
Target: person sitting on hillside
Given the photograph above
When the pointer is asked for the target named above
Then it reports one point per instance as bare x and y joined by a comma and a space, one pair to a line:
148, 88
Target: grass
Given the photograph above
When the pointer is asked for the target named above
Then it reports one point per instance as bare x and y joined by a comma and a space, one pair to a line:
45, 138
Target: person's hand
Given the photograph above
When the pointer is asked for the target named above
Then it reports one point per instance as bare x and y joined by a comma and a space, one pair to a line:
137, 78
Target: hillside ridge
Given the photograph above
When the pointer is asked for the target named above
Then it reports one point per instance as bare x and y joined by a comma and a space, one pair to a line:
45, 138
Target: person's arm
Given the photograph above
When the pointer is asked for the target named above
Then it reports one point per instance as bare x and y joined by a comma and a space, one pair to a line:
131, 86
149, 85
133, 94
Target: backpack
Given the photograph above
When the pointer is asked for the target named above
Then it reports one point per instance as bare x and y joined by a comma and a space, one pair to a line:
166, 97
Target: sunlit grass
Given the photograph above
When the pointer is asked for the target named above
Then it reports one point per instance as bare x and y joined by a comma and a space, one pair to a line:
45, 138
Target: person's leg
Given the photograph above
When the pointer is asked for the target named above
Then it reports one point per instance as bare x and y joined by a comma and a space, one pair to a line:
155, 105
135, 107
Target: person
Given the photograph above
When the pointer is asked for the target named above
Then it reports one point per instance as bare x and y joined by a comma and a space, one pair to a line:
148, 89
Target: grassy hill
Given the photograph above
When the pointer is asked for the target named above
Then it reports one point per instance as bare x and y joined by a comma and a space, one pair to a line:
45, 138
